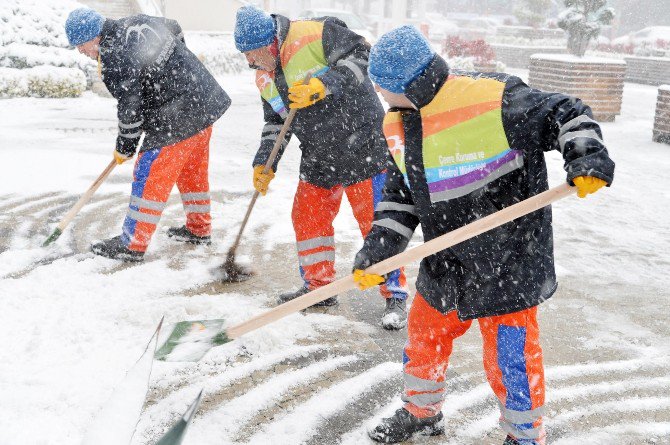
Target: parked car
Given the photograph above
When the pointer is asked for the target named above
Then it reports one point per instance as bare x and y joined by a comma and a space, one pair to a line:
352, 20
649, 35
485, 25
439, 27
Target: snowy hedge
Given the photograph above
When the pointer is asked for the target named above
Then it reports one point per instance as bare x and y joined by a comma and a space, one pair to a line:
217, 51
42, 81
34, 56
22, 55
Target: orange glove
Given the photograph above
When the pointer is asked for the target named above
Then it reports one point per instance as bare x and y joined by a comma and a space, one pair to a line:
302, 95
120, 158
262, 180
587, 185
367, 280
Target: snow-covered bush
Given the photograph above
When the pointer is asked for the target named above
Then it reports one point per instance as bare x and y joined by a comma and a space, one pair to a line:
23, 55
461, 63
583, 20
217, 51
42, 81
470, 55
36, 22
477, 49
34, 53
532, 12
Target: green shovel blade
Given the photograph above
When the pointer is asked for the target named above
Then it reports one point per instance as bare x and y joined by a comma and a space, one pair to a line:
53, 237
189, 341
175, 435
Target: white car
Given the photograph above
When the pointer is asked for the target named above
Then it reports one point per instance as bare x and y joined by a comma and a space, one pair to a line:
352, 20
649, 35
439, 27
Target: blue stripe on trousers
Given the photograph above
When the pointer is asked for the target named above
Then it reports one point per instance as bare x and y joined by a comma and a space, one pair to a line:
511, 343
140, 176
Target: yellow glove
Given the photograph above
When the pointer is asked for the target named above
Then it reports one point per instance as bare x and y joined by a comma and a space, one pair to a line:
588, 184
120, 158
262, 180
367, 280
302, 95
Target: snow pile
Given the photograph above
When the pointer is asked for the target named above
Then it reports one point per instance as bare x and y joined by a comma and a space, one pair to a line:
42, 81
217, 51
33, 44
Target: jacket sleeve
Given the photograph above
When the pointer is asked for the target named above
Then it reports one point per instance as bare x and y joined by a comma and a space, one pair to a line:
553, 121
347, 55
270, 133
394, 223
127, 89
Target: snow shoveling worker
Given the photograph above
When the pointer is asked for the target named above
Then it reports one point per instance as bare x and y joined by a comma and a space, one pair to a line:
164, 92
339, 125
466, 145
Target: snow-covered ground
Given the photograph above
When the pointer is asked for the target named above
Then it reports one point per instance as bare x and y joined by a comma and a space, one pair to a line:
73, 324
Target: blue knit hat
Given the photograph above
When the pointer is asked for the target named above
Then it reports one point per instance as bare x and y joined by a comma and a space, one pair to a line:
399, 57
82, 25
254, 28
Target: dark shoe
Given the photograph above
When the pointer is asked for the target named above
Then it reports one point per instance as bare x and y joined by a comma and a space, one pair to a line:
512, 441
395, 314
403, 426
115, 249
186, 236
283, 298
509, 440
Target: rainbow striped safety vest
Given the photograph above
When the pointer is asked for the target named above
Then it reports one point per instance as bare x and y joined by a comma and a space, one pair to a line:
300, 53
464, 143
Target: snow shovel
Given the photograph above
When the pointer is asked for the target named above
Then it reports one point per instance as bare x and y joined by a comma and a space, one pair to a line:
236, 273
79, 204
176, 434
191, 340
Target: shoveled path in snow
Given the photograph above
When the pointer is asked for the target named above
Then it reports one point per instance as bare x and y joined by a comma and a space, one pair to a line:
75, 323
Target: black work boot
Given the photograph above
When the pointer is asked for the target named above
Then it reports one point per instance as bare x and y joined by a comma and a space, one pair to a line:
509, 440
283, 298
115, 249
186, 236
395, 314
403, 426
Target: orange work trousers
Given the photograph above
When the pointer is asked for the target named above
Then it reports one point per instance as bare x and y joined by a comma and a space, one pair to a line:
512, 362
186, 164
315, 209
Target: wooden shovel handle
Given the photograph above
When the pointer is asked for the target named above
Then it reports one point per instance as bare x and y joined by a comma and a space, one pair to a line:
268, 165
426, 249
86, 196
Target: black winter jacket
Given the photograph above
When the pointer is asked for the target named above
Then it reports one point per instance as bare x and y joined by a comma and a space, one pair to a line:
340, 136
161, 87
510, 268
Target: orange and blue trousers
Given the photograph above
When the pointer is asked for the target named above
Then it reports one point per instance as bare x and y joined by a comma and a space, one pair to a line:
315, 209
186, 164
512, 362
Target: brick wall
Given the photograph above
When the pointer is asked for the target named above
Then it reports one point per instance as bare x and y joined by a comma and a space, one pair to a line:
516, 56
662, 121
648, 70
598, 82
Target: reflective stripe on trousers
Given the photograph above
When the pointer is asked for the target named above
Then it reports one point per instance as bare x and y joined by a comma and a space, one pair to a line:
314, 209
156, 172
512, 361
